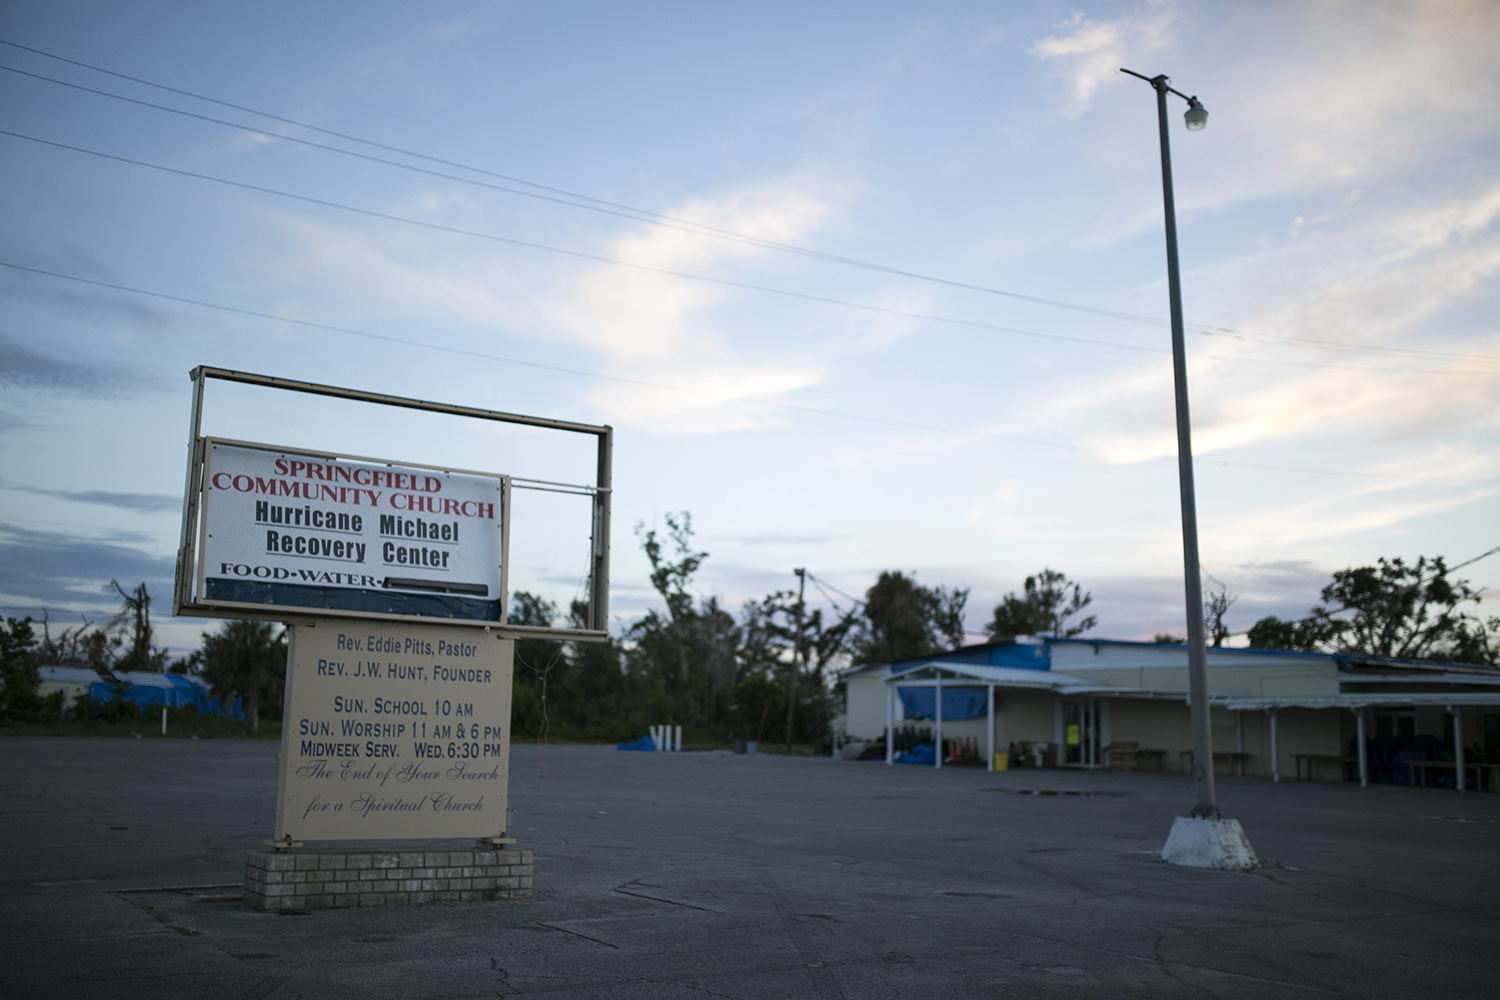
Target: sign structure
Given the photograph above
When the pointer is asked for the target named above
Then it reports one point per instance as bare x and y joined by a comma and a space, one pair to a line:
391, 579
394, 731
313, 532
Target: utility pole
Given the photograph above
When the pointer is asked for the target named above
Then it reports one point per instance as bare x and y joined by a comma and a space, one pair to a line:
791, 679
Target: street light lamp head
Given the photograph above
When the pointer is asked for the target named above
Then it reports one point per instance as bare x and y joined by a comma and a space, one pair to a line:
1196, 116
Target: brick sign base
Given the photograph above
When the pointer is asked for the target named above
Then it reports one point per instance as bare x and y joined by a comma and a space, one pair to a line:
303, 880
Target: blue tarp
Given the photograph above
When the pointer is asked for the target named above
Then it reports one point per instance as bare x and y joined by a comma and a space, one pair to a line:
958, 703
1389, 754
644, 743
168, 691
923, 753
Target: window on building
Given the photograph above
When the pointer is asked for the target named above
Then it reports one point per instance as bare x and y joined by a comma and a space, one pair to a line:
1395, 722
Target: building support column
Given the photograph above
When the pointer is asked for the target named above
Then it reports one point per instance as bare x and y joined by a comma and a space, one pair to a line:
1275, 758
1239, 743
989, 757
1458, 748
1359, 748
890, 724
937, 735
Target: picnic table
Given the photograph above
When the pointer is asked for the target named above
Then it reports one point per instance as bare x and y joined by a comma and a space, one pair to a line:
1319, 758
1150, 760
1488, 774
1235, 759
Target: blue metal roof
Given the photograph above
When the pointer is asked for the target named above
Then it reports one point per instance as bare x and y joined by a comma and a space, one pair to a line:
1022, 656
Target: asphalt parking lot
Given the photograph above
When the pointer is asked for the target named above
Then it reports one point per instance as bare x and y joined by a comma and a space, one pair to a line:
710, 875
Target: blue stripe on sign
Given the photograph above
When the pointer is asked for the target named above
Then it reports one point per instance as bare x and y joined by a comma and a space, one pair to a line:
385, 602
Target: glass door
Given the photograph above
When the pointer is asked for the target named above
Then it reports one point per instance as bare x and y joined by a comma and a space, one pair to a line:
1081, 733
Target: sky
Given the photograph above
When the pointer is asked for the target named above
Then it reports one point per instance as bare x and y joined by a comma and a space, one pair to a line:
862, 286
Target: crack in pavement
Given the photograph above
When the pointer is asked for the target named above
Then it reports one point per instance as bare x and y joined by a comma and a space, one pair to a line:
565, 930
817, 970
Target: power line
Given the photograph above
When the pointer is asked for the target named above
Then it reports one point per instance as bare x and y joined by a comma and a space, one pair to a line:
622, 212
580, 254
821, 584
1470, 562
1339, 610
554, 368
644, 215
405, 342
726, 282
1358, 475
563, 196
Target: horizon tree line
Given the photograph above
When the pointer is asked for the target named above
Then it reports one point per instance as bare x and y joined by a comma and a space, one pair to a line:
769, 668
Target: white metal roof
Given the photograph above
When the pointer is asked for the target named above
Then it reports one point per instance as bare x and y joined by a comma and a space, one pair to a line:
68, 675
969, 674
1478, 680
1013, 677
1359, 700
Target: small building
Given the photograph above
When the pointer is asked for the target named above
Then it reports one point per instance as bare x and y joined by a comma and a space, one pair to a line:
1093, 703
73, 682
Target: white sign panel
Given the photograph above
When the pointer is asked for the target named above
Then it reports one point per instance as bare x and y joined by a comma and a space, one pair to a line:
328, 534
395, 731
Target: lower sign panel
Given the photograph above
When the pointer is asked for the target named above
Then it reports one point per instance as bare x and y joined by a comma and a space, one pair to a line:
395, 732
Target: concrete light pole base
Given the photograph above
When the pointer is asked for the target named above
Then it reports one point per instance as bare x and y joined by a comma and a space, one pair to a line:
1209, 843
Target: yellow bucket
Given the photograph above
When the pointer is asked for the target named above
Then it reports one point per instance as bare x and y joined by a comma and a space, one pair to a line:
1002, 762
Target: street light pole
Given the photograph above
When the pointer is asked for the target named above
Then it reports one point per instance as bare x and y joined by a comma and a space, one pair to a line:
1203, 761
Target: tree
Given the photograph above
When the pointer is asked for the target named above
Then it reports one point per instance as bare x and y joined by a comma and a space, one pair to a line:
20, 681
572, 690
83, 645
903, 619
1048, 600
1300, 635
535, 661
1389, 609
1215, 605
715, 645
134, 617
246, 660
670, 579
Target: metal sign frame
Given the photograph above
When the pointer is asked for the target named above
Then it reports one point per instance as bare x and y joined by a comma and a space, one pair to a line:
186, 599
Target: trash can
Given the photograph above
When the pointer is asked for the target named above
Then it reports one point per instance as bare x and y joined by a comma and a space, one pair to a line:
1002, 762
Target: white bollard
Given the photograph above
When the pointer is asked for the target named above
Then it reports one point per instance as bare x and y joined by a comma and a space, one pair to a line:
677, 739
164, 720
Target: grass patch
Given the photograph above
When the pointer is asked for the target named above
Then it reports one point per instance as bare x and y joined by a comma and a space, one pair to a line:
182, 723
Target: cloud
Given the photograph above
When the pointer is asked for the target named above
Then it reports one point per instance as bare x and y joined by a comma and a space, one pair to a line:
1354, 511
1303, 100
1387, 278
43, 567
641, 316
147, 503
1321, 106
776, 538
642, 325
717, 399
21, 367
1092, 51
